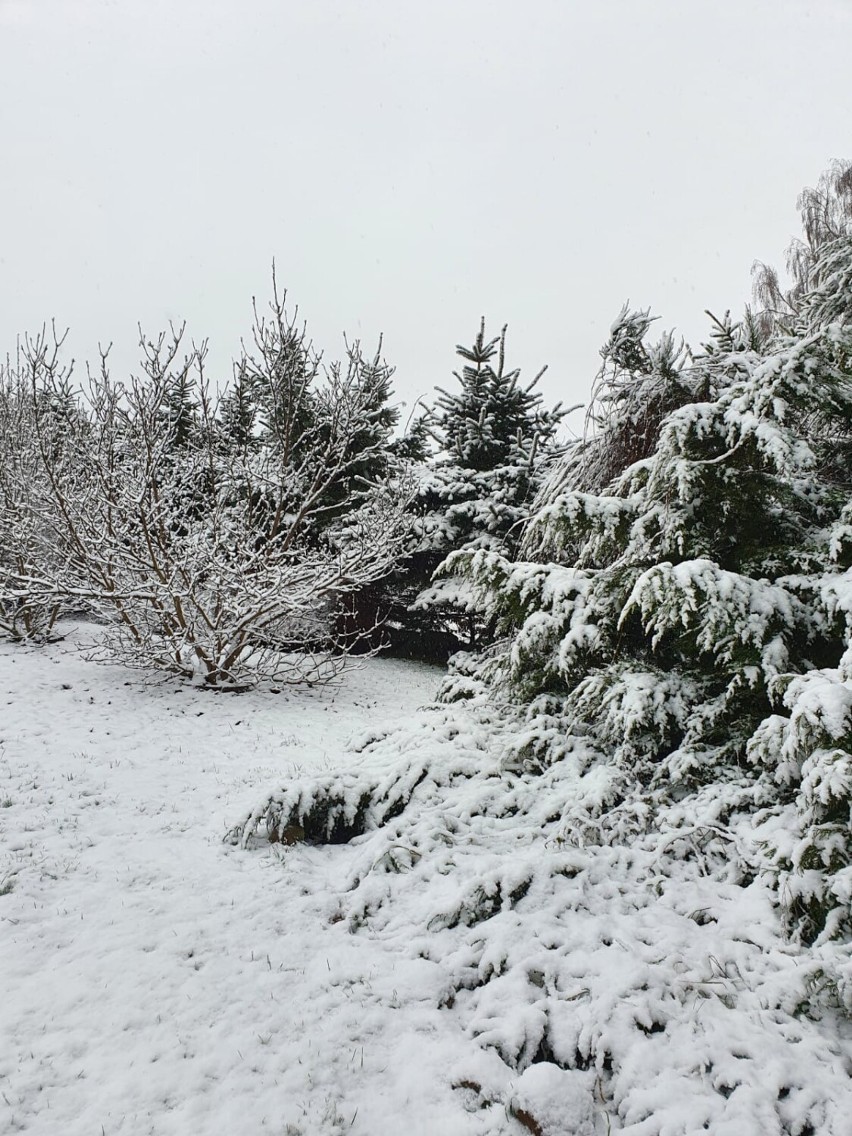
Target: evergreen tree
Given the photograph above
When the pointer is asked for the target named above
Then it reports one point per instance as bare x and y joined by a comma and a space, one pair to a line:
414, 444
368, 457
181, 418
280, 373
691, 618
492, 419
495, 439
287, 406
239, 412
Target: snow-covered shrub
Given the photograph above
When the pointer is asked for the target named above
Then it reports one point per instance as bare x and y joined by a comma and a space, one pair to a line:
30, 541
214, 542
642, 954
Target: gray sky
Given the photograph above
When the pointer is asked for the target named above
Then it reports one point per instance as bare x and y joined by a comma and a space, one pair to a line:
409, 165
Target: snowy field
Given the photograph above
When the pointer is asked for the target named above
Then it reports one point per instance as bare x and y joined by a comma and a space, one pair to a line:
159, 981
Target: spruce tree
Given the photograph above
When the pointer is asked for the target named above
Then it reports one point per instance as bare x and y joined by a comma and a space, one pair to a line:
691, 618
493, 418
495, 441
239, 412
368, 458
288, 405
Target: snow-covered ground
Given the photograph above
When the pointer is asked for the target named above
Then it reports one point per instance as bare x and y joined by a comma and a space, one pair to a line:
156, 980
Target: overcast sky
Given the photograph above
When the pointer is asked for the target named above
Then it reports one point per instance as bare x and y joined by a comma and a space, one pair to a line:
410, 166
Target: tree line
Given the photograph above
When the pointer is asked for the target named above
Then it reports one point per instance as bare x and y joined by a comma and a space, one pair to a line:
680, 611
264, 532
667, 599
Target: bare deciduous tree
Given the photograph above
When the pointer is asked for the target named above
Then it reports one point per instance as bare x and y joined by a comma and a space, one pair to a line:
29, 549
216, 540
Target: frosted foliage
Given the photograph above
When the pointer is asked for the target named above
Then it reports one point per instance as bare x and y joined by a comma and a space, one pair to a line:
840, 546
669, 619
633, 710
639, 983
835, 594
580, 523
829, 299
470, 505
625, 834
451, 592
810, 749
563, 595
724, 612
638, 385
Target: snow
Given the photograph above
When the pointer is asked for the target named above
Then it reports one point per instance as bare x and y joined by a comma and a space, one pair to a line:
558, 1099
157, 980
653, 968
465, 967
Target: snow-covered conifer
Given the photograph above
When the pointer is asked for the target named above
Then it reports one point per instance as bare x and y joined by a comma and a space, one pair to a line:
496, 440
606, 826
680, 617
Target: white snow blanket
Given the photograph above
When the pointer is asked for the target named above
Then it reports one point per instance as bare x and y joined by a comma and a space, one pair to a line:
460, 970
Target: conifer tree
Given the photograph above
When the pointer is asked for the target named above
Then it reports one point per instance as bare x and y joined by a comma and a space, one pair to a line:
285, 403
238, 413
368, 457
691, 618
492, 418
495, 441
